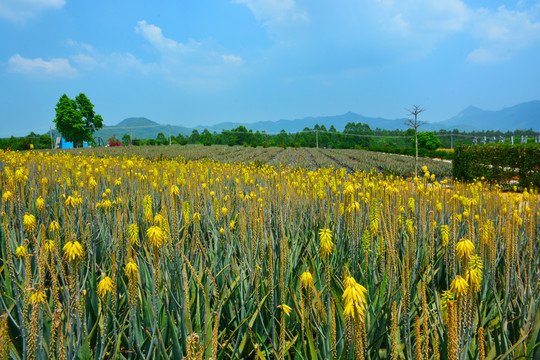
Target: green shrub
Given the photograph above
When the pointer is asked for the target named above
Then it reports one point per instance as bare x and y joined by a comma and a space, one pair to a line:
498, 163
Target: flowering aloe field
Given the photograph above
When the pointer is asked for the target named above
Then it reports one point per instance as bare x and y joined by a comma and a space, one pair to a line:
308, 158
135, 257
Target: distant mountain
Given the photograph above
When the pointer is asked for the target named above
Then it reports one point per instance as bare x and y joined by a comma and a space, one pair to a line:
136, 121
522, 116
339, 122
140, 128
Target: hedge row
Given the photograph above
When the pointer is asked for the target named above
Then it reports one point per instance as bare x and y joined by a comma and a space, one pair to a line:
499, 163
411, 152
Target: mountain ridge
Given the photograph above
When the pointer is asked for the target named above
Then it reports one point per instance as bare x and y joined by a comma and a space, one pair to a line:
522, 116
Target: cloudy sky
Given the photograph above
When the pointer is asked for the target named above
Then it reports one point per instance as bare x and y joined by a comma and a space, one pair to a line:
201, 62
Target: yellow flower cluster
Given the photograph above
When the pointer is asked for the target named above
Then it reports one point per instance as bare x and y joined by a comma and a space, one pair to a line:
73, 250
326, 242
105, 286
464, 249
354, 298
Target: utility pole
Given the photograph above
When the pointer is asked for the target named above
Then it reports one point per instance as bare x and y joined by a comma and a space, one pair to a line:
169, 134
415, 110
317, 137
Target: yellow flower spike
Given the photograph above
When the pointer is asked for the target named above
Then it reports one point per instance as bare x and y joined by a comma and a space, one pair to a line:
7, 196
286, 308
224, 211
222, 231
133, 231
37, 297
92, 183
158, 219
155, 236
131, 269
49, 245
105, 204
29, 222
105, 286
71, 201
21, 252
474, 278
306, 280
464, 248
40, 203
474, 273
411, 204
54, 226
196, 216
73, 250
409, 225
231, 225
175, 191
459, 286
447, 297
326, 245
354, 298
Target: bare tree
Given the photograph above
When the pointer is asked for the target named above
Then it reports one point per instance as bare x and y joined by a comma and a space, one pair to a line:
415, 110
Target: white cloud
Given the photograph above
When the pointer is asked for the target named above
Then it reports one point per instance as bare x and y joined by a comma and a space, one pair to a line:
232, 59
125, 62
79, 45
154, 35
193, 63
404, 29
502, 33
483, 55
58, 67
84, 61
21, 10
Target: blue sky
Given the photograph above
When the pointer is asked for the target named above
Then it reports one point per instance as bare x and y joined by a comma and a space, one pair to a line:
203, 62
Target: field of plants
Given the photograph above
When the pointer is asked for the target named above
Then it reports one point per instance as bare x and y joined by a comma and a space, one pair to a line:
307, 158
220, 252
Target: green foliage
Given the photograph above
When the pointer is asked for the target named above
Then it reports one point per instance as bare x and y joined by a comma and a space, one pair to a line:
428, 140
161, 139
498, 163
126, 139
23, 143
76, 119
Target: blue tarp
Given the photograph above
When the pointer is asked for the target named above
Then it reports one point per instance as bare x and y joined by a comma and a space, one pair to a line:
69, 144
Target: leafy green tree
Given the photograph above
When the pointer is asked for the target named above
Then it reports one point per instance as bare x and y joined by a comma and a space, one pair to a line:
194, 138
161, 139
76, 119
428, 140
126, 139
206, 138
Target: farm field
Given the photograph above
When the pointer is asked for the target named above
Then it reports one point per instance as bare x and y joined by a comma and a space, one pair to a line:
308, 158
233, 253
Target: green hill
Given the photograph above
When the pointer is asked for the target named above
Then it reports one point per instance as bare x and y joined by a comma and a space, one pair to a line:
136, 121
140, 128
